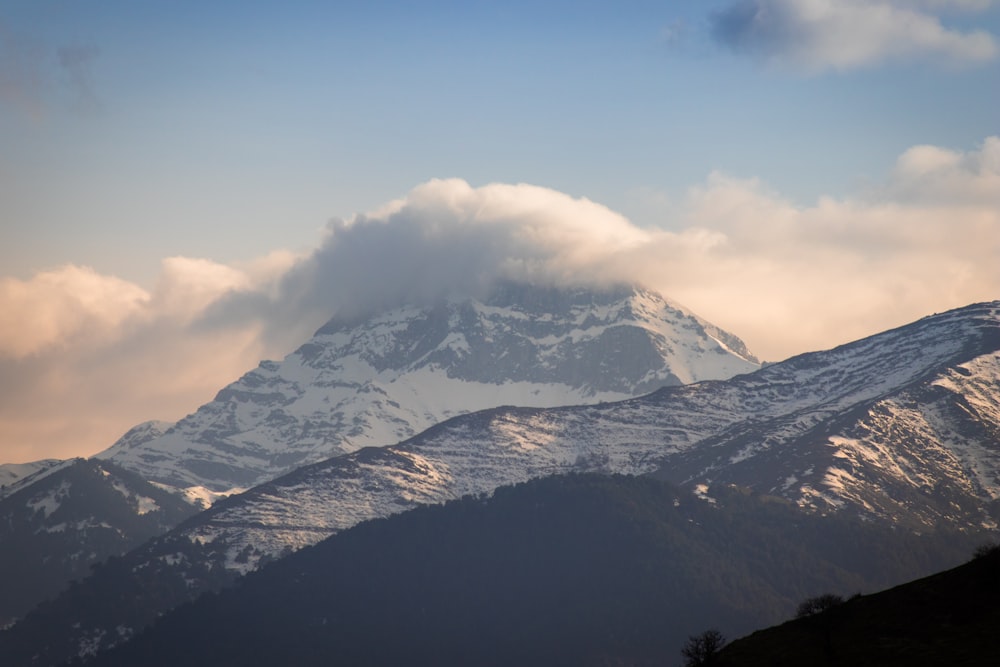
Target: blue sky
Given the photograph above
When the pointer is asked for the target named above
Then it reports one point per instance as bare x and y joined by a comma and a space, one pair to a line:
157, 155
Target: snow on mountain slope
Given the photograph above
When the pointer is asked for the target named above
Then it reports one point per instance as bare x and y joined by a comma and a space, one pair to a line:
80, 513
14, 476
832, 431
749, 419
921, 448
380, 379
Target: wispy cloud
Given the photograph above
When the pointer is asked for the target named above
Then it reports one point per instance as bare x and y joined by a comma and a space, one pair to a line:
83, 356
77, 61
933, 175
816, 35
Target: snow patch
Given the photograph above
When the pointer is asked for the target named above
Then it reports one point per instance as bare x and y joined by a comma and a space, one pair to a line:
143, 504
51, 500
701, 492
90, 643
199, 496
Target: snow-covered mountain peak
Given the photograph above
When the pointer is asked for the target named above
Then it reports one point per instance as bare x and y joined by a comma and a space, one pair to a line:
825, 430
542, 335
382, 378
901, 427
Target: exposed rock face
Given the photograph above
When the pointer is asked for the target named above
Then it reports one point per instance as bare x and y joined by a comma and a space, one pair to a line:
377, 380
903, 426
899, 427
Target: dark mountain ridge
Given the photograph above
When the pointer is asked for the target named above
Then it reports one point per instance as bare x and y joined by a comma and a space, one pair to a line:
53, 530
577, 570
949, 618
864, 430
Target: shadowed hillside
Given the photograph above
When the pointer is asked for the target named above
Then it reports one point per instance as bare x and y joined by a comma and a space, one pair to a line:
563, 570
949, 618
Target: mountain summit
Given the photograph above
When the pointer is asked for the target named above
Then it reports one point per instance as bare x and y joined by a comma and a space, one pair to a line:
379, 379
899, 429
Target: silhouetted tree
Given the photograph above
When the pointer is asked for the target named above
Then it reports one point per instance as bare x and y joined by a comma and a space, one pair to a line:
701, 649
816, 610
987, 549
818, 605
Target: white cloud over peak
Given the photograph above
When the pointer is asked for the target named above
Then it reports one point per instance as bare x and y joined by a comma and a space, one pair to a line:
447, 236
84, 356
816, 35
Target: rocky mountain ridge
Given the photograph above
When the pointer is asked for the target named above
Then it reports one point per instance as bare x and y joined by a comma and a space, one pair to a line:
78, 514
14, 476
375, 379
787, 429
380, 379
804, 429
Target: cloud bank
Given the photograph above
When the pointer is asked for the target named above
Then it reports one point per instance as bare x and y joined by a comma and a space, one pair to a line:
84, 356
816, 35
445, 238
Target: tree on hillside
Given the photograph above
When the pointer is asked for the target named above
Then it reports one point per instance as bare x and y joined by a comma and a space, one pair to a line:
701, 649
818, 605
818, 612
986, 550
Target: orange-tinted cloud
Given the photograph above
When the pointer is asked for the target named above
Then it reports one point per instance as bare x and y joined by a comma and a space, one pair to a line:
84, 356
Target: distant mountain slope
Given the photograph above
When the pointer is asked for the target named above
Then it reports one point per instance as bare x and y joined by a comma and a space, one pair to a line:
785, 423
579, 570
379, 379
55, 529
950, 618
781, 430
13, 476
920, 448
